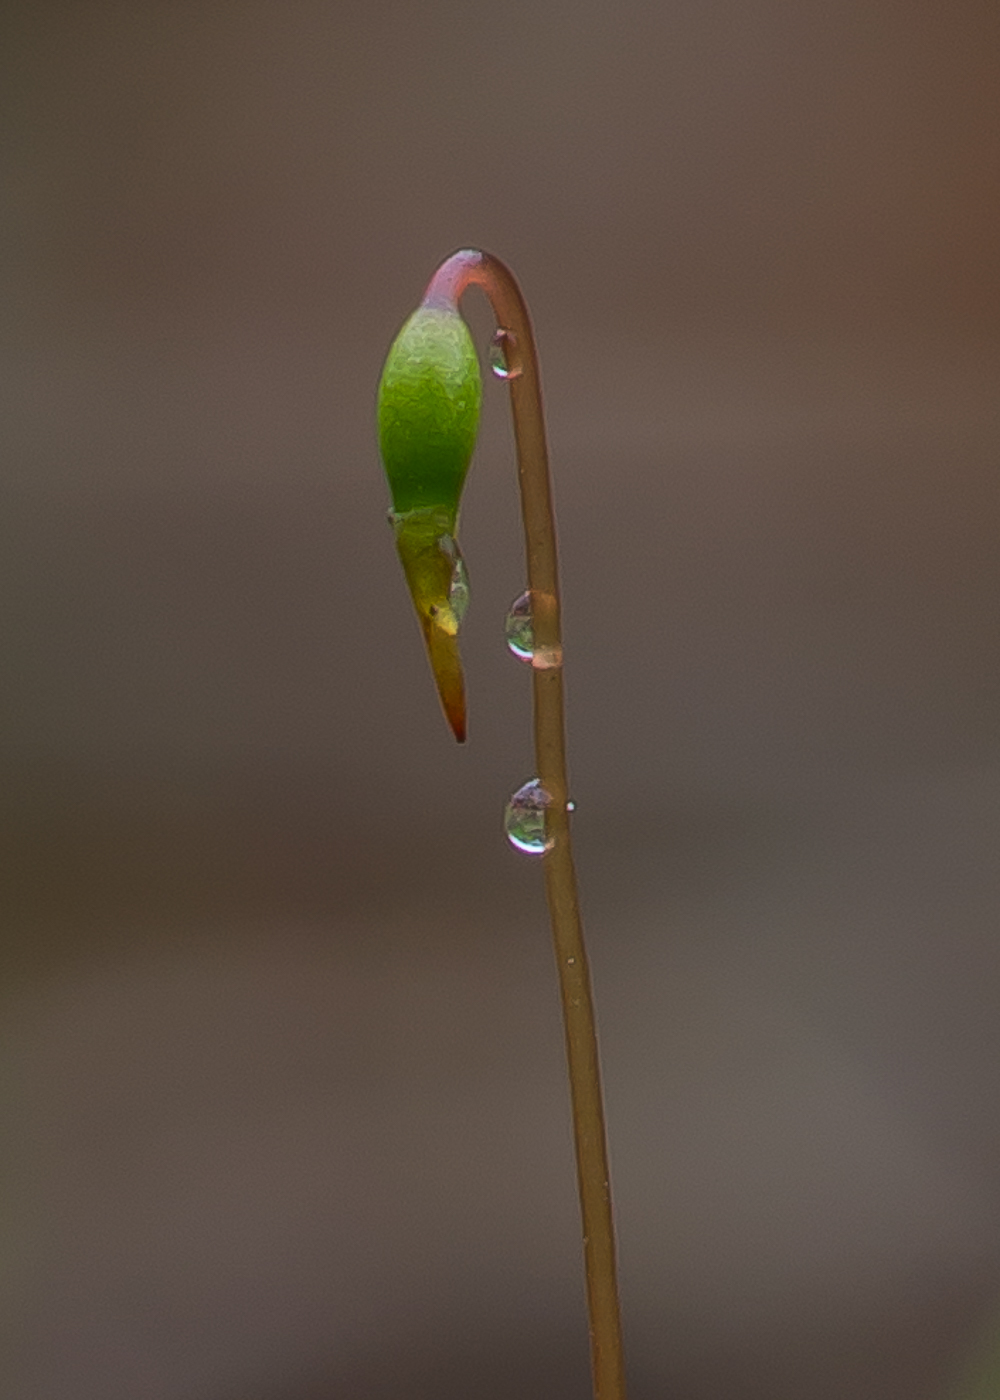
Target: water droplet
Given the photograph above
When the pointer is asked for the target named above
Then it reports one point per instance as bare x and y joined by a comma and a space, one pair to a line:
458, 589
519, 631
571, 806
505, 356
517, 628
524, 819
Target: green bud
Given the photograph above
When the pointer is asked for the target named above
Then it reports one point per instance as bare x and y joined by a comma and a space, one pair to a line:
428, 411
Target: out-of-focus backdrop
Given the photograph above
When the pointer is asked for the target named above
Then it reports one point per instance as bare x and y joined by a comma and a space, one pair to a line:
283, 1096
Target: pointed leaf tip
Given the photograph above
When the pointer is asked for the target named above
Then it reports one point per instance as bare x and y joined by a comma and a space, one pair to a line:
439, 587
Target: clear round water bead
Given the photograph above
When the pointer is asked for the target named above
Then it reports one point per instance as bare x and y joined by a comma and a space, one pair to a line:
519, 632
504, 355
517, 628
525, 819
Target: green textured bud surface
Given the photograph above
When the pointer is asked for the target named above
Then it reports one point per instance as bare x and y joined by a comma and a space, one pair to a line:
428, 410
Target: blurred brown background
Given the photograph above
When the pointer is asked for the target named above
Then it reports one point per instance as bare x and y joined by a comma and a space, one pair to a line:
284, 1106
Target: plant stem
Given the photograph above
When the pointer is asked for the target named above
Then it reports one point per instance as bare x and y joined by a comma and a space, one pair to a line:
464, 269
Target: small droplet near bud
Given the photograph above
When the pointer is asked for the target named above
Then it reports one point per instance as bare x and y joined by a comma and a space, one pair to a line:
458, 589
504, 355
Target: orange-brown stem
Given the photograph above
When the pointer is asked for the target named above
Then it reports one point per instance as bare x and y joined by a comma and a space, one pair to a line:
462, 270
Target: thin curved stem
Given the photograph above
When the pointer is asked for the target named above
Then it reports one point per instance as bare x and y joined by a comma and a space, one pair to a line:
472, 268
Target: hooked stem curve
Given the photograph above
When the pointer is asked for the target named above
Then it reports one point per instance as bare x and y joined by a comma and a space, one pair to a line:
464, 269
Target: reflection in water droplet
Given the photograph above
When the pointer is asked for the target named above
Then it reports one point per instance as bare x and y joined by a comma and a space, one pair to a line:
504, 355
519, 631
517, 628
524, 819
571, 806
458, 589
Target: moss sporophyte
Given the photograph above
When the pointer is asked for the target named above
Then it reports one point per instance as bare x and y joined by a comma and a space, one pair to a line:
428, 416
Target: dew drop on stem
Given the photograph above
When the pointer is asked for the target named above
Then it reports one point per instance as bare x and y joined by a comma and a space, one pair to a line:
504, 355
520, 636
517, 628
525, 819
